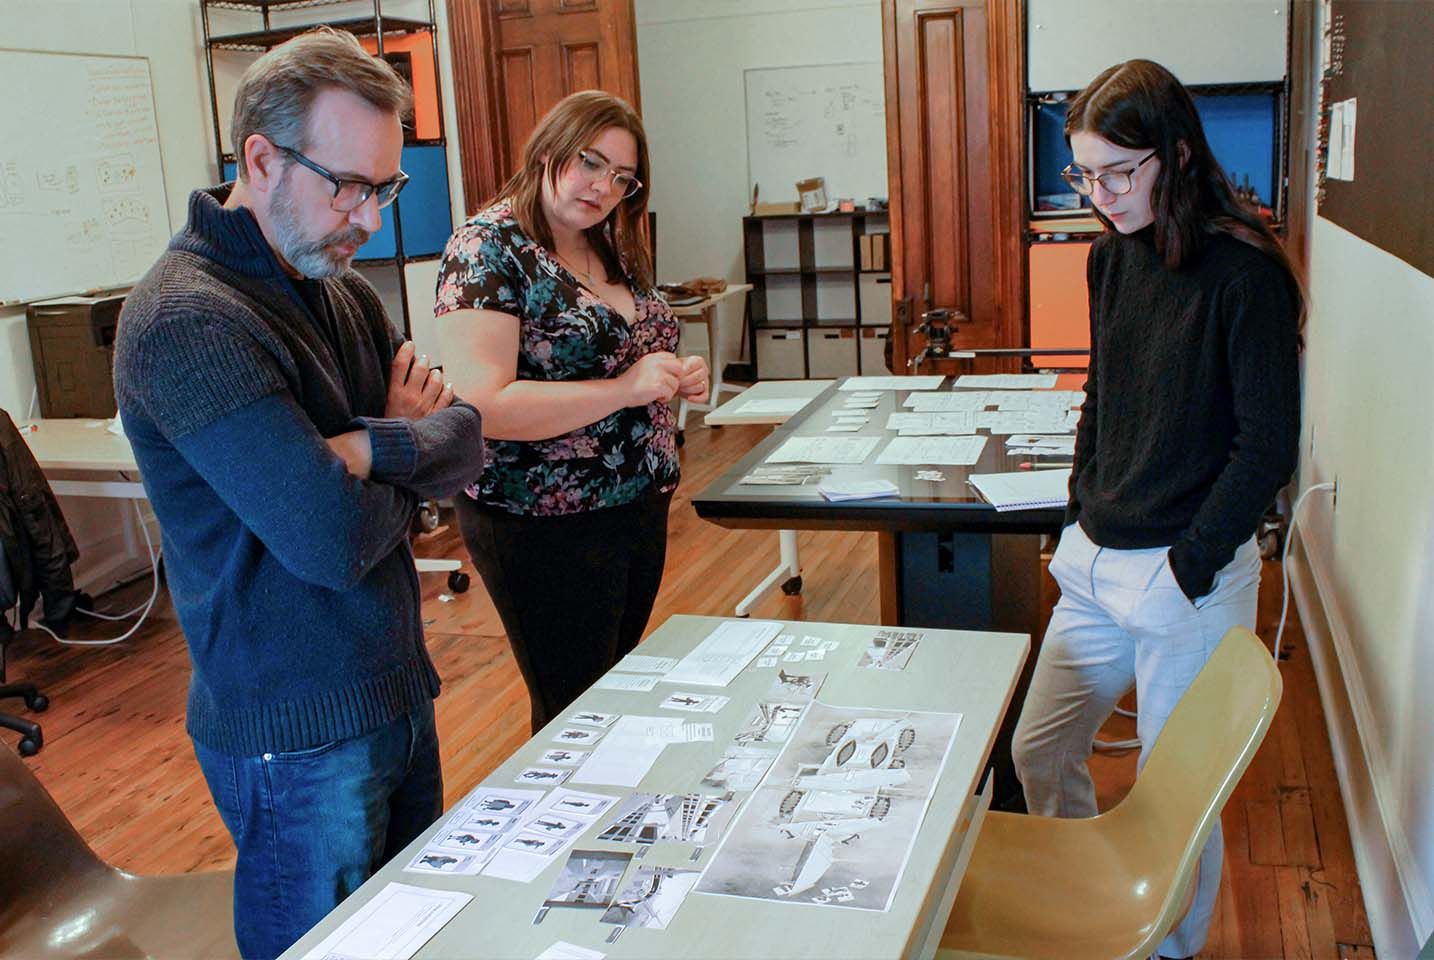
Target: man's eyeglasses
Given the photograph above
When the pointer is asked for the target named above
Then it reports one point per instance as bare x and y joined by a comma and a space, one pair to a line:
349, 195
593, 165
1116, 182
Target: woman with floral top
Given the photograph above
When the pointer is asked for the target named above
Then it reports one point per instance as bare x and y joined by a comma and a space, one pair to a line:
552, 327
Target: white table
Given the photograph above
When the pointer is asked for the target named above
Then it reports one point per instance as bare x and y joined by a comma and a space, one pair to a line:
951, 671
788, 571
705, 312
86, 446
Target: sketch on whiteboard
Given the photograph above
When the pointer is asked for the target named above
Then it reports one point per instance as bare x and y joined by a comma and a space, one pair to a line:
824, 120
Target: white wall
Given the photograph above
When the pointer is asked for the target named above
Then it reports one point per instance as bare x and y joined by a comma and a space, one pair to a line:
691, 56
1368, 560
1200, 41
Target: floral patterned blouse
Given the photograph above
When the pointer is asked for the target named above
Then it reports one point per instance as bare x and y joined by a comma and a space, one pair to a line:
565, 333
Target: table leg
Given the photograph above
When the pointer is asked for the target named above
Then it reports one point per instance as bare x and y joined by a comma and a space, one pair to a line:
788, 573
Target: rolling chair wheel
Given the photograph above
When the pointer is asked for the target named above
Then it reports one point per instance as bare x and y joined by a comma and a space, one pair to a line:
29, 747
458, 581
793, 586
38, 703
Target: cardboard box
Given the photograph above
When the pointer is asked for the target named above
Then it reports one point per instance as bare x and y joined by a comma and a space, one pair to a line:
775, 209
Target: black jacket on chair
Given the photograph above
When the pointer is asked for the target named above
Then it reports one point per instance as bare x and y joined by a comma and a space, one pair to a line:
35, 542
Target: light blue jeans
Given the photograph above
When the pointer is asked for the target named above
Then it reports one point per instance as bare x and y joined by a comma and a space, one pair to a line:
1123, 621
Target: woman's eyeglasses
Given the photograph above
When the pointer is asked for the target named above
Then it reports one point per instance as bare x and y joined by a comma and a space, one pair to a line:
1115, 182
593, 165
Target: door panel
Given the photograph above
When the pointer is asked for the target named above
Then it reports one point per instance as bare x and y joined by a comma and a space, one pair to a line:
514, 59
953, 239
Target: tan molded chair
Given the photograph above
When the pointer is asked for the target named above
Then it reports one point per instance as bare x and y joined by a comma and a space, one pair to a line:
1114, 885
58, 899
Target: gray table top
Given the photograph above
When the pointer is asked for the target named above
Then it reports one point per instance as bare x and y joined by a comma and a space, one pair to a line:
952, 671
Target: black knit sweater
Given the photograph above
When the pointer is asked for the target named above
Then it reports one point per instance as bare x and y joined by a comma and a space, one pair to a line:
1190, 424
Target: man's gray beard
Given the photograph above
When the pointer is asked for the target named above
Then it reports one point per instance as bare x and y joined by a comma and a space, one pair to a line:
312, 258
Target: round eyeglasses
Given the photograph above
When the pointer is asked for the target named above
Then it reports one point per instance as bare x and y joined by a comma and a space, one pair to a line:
349, 194
593, 165
1115, 182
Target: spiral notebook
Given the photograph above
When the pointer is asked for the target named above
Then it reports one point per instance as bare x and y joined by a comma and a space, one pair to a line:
1023, 489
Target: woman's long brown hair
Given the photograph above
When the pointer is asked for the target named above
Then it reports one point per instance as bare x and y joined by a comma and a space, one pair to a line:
621, 239
1140, 105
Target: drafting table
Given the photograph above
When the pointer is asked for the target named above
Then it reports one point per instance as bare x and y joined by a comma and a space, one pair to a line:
705, 312
963, 672
788, 571
947, 558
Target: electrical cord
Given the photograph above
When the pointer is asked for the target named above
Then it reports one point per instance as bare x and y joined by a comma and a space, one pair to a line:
146, 606
1285, 564
1106, 746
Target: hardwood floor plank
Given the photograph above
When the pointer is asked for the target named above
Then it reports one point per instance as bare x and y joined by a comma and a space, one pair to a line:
1298, 828
1267, 834
1294, 927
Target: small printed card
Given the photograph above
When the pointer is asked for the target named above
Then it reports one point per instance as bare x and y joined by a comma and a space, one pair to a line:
578, 735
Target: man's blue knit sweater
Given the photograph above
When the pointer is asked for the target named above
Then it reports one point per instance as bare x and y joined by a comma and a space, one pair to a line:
293, 579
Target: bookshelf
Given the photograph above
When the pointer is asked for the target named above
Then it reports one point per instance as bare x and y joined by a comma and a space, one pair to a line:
820, 304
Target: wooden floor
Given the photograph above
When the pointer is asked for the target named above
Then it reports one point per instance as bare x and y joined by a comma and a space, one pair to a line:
118, 762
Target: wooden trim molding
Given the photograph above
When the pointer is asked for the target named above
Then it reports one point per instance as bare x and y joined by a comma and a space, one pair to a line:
1006, 32
477, 86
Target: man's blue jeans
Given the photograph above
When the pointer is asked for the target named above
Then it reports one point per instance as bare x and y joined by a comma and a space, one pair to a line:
312, 825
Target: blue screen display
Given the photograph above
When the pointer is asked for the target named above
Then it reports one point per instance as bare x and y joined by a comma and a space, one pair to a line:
1241, 129
423, 205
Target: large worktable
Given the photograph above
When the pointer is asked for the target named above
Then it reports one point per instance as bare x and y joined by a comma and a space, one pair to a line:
969, 673
947, 558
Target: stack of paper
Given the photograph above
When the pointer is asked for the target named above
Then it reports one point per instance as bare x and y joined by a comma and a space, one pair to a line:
1041, 445
838, 489
1024, 489
864, 384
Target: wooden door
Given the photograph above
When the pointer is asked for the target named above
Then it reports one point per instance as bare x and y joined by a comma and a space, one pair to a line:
514, 59
955, 148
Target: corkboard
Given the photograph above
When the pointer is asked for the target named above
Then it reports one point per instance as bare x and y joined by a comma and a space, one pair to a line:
1380, 54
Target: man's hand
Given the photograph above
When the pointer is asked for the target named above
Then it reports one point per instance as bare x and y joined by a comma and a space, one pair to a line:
414, 391
354, 449
692, 385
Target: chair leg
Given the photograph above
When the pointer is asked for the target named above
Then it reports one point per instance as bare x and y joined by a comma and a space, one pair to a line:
31, 739
34, 699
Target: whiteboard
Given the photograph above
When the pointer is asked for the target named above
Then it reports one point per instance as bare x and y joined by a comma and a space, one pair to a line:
817, 121
82, 202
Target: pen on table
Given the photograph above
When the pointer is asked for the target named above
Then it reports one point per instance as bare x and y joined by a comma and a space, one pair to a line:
1045, 466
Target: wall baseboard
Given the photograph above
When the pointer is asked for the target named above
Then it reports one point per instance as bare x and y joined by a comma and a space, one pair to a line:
1395, 896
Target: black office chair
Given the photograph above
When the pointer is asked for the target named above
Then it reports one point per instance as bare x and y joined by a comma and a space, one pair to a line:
31, 738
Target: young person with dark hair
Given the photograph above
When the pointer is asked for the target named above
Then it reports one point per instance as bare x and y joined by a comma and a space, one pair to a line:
1189, 428
552, 327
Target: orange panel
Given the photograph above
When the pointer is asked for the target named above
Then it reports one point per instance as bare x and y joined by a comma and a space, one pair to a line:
1060, 308
419, 47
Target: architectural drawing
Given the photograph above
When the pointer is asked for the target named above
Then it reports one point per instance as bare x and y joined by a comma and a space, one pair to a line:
834, 820
651, 897
646, 818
